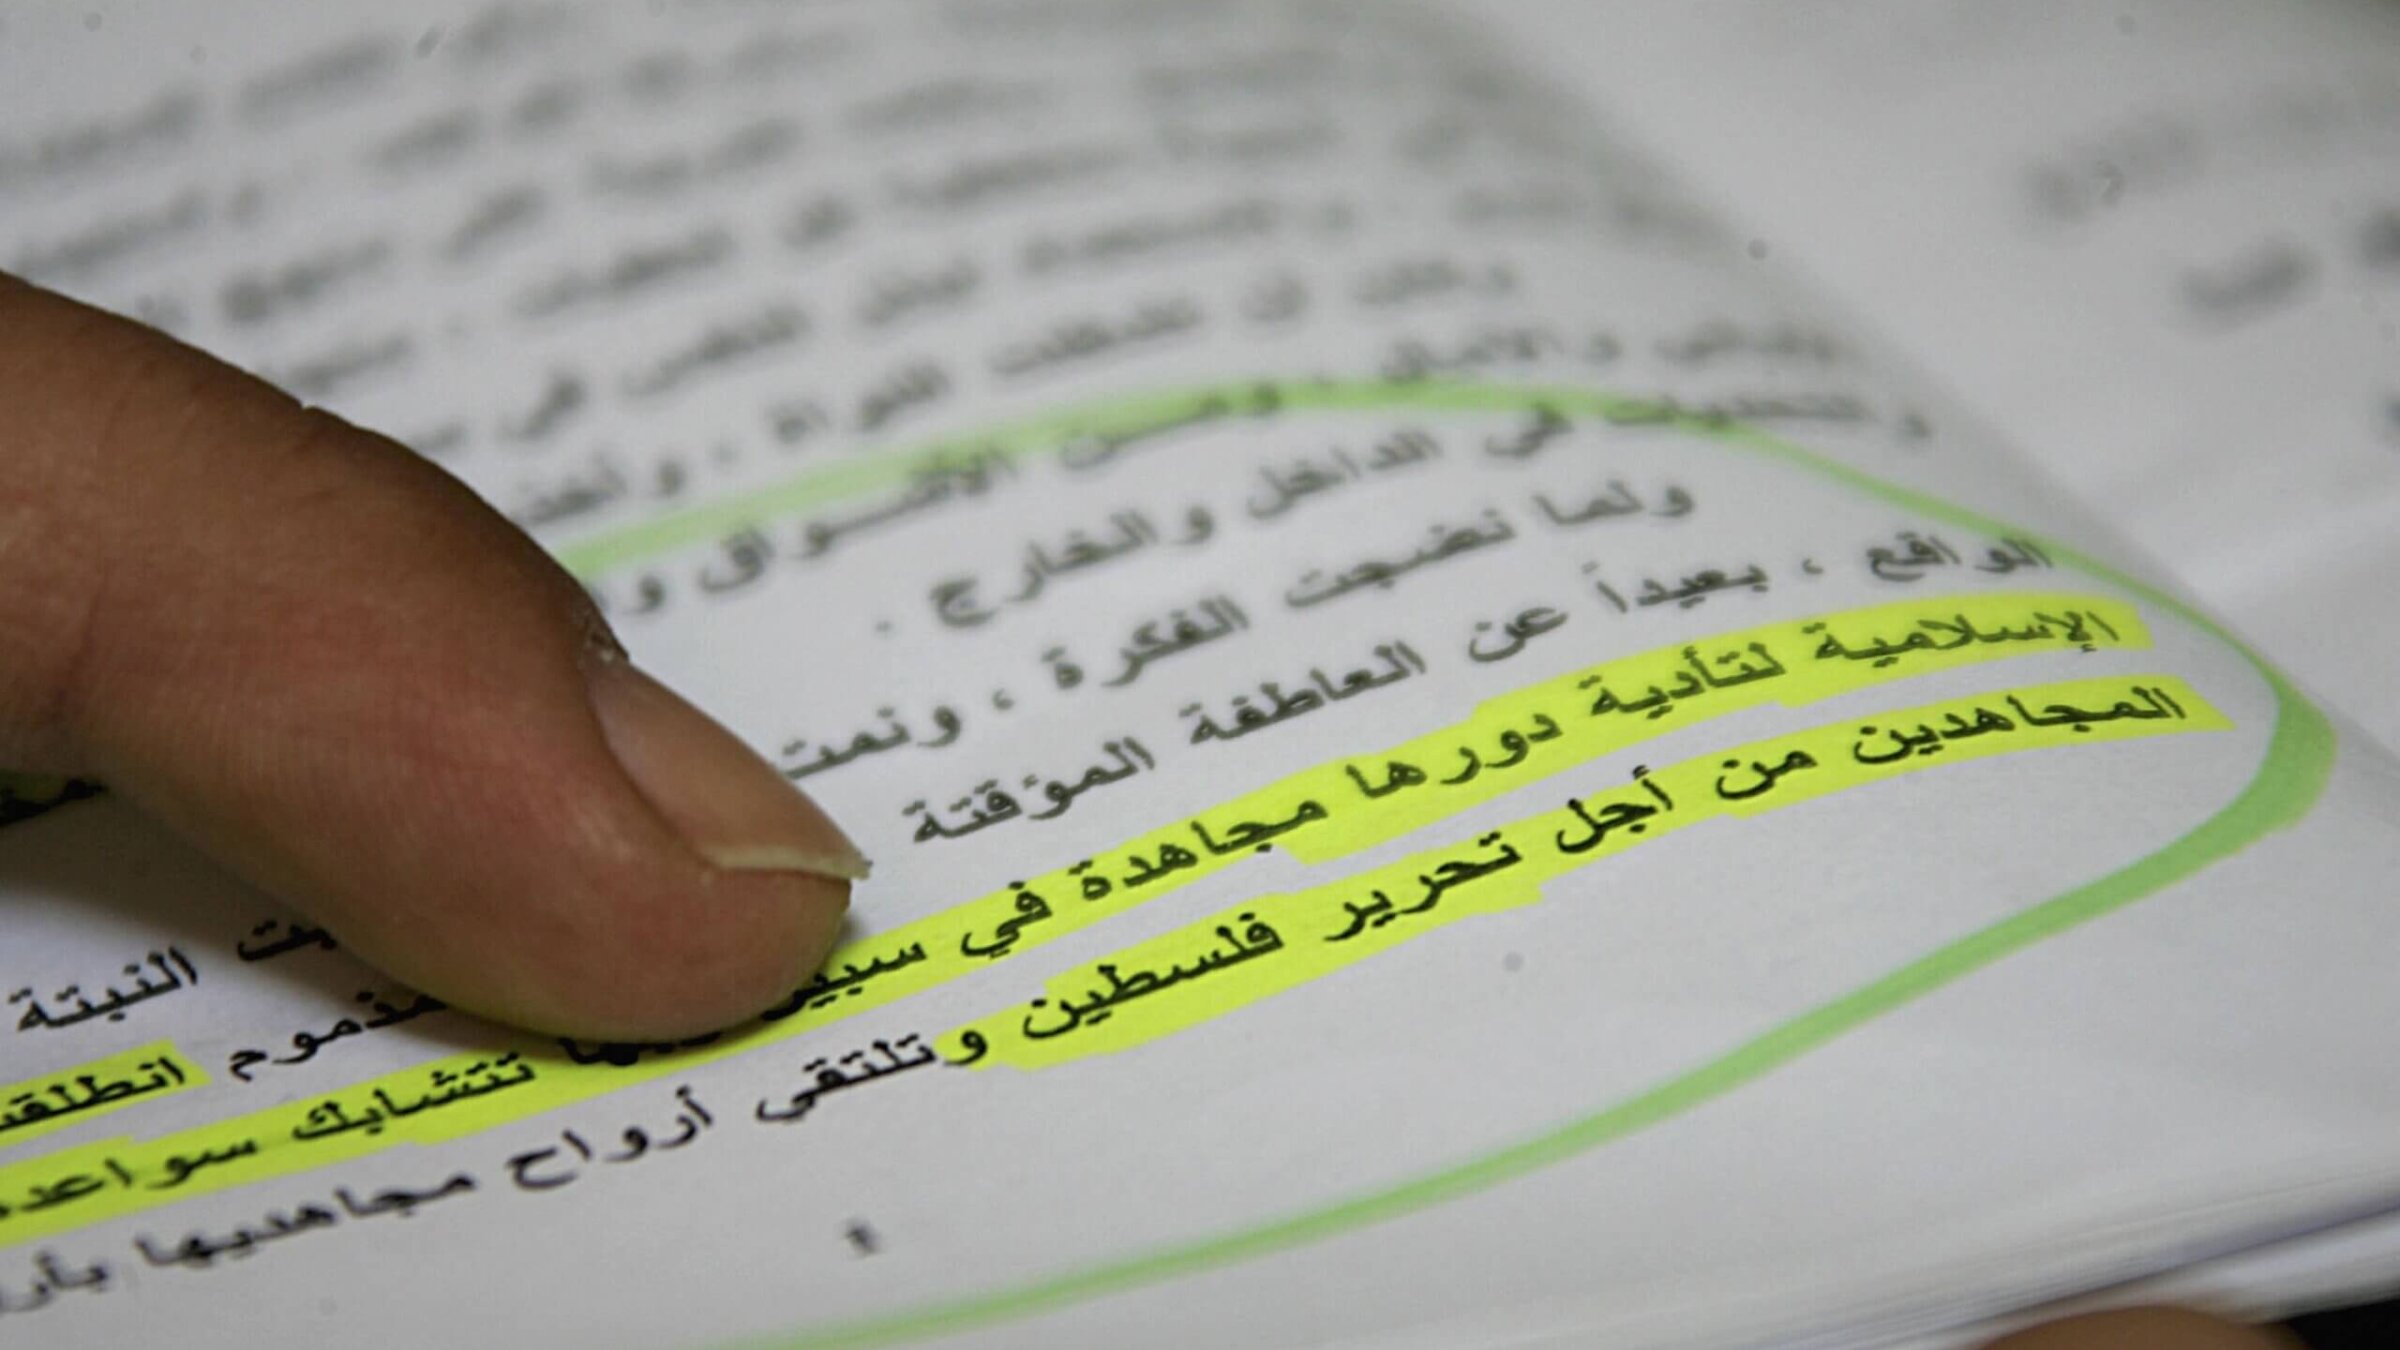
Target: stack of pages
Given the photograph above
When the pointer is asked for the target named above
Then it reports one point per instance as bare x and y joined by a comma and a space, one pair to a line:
1496, 702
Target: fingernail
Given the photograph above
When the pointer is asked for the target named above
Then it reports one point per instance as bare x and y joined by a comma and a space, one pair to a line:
734, 808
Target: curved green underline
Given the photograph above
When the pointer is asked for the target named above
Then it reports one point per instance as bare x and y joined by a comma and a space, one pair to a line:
2290, 778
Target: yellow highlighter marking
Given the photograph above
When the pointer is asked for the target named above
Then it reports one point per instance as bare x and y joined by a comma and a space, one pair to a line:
423, 1105
53, 1101
1318, 814
1272, 943
1345, 805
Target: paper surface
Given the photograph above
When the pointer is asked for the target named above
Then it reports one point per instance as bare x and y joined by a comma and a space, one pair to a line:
2157, 245
1450, 759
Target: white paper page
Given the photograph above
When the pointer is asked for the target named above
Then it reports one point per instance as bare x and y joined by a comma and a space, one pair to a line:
2151, 243
1087, 445
2157, 244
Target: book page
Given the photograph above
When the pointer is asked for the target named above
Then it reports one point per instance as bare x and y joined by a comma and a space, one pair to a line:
1450, 758
2156, 244
2152, 244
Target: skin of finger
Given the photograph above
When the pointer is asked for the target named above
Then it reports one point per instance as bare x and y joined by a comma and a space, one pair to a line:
336, 669
2147, 1329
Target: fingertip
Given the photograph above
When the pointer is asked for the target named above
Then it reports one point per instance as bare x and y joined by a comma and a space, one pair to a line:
338, 671
695, 959
733, 808
629, 871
